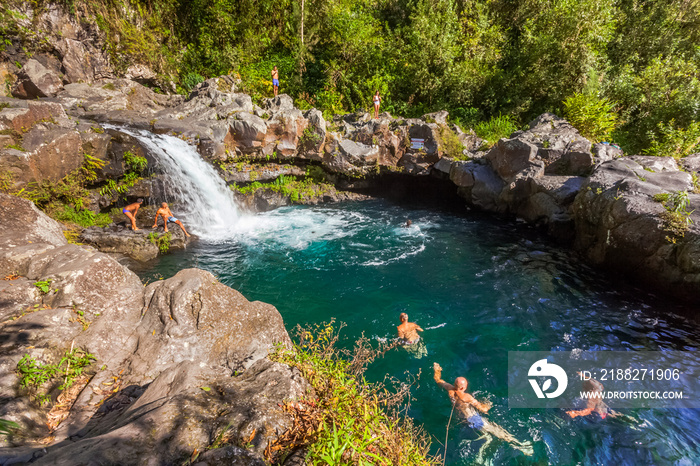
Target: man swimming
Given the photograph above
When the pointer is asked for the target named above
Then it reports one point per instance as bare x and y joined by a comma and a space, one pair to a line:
167, 215
130, 212
275, 80
594, 404
408, 331
468, 407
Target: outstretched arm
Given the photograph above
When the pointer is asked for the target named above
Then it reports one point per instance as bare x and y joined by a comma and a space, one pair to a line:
437, 375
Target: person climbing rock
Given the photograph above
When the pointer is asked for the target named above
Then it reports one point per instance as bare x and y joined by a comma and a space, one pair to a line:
469, 408
275, 80
408, 331
130, 212
167, 215
377, 102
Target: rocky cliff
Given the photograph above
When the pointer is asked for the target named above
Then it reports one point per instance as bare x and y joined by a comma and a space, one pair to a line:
273, 154
176, 363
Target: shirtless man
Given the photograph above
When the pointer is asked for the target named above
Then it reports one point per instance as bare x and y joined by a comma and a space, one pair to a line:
167, 215
593, 405
130, 212
408, 331
468, 408
275, 80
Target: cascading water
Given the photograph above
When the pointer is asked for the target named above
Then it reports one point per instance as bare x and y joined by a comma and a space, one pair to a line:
200, 195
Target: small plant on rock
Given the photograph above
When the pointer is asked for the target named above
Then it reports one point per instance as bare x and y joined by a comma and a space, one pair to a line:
676, 219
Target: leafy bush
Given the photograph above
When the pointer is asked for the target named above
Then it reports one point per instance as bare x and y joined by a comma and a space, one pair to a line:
496, 128
83, 217
673, 141
163, 241
593, 117
676, 219
190, 80
450, 144
135, 162
351, 421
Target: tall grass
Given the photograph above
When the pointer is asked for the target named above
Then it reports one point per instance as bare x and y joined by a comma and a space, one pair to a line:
350, 421
496, 128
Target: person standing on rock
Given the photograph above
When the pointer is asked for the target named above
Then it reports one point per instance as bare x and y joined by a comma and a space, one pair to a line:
377, 102
468, 409
167, 215
275, 80
130, 212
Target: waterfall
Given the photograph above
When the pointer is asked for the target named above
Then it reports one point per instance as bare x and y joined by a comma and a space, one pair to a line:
201, 197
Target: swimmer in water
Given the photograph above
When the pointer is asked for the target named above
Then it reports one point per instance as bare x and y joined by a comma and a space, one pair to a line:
469, 408
409, 338
596, 404
408, 223
408, 331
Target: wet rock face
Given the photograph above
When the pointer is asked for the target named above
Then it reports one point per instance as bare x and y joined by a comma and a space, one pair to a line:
156, 347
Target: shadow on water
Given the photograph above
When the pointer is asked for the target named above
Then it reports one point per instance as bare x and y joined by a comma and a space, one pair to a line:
480, 287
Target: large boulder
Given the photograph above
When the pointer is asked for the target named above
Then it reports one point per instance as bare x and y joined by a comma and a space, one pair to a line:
34, 80
560, 146
178, 364
515, 158
140, 245
620, 225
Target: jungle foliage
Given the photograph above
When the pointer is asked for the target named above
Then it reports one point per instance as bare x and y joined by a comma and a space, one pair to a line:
634, 65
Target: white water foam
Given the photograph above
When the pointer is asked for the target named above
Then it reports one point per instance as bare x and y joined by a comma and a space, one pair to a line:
201, 196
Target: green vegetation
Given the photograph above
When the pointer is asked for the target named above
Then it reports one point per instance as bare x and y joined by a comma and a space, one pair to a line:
4, 105
475, 58
673, 141
676, 219
83, 217
135, 165
35, 375
351, 421
594, 117
7, 427
450, 144
43, 285
496, 128
298, 190
162, 241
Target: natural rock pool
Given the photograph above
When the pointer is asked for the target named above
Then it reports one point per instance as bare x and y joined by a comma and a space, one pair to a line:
480, 288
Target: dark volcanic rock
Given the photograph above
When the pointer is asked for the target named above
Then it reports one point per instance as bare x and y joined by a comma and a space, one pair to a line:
620, 225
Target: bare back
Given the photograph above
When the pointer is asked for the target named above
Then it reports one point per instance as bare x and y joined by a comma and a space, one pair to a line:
408, 331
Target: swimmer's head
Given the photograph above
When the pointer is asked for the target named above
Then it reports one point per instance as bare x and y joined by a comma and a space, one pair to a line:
165, 204
461, 383
139, 200
403, 317
592, 385
408, 222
